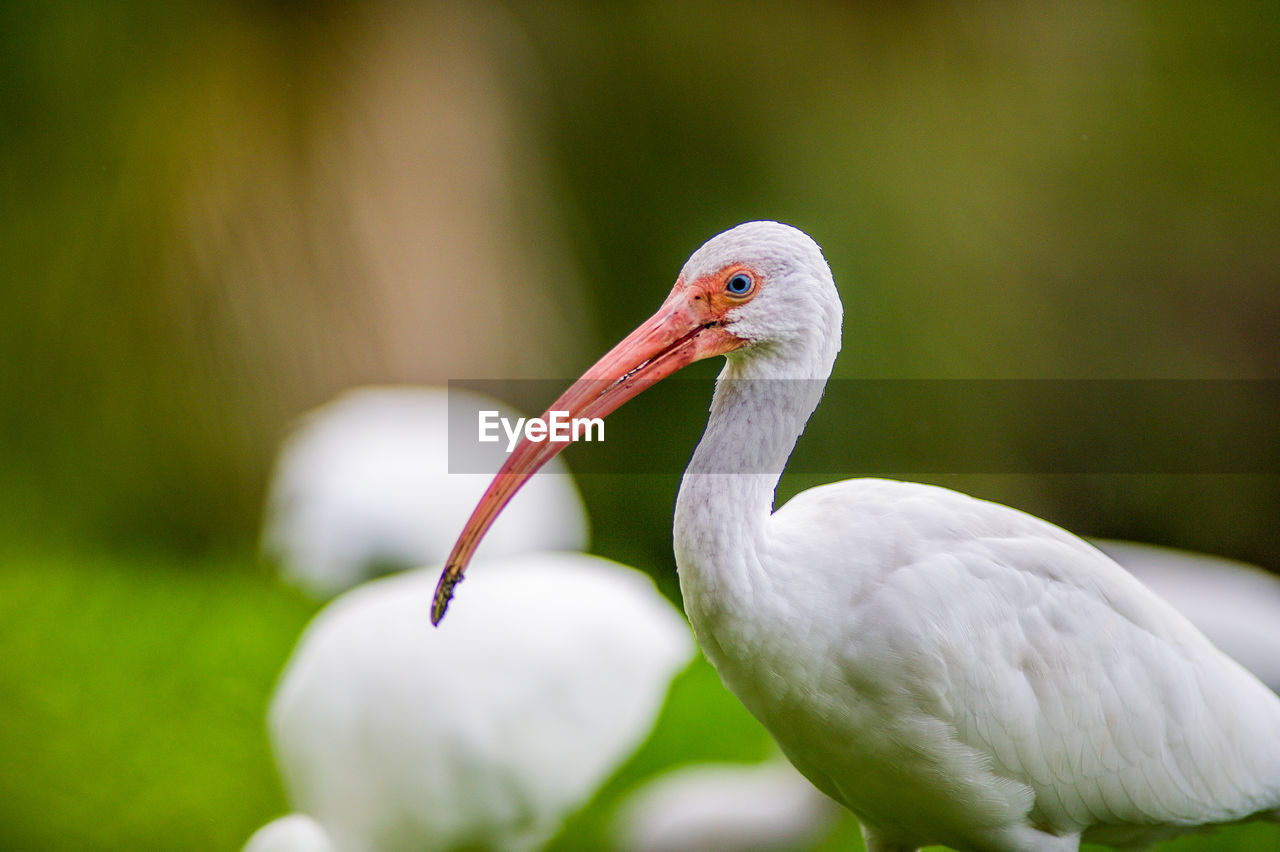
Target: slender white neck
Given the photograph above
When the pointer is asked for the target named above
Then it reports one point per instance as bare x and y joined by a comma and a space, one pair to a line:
754, 424
762, 401
726, 496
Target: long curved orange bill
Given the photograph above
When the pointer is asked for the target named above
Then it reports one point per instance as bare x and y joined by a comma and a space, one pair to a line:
685, 329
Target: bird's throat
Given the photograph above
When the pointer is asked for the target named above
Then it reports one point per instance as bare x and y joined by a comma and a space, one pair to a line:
726, 497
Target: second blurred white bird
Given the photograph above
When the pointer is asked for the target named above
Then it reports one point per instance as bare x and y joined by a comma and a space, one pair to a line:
394, 735
726, 807
362, 487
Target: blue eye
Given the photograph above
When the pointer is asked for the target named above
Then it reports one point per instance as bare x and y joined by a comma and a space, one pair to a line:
740, 284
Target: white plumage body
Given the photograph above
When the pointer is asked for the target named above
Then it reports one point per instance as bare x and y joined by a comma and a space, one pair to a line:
1235, 604
958, 672
393, 735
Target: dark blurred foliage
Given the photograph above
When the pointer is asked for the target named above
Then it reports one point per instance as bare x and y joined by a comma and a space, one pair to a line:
120, 420
1031, 191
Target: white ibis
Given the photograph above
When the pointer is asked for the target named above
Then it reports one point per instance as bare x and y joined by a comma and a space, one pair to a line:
1235, 604
362, 486
951, 670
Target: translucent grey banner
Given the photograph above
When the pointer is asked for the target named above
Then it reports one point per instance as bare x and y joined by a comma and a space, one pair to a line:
896, 427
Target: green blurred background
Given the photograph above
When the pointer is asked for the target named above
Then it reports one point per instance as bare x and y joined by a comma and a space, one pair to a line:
218, 216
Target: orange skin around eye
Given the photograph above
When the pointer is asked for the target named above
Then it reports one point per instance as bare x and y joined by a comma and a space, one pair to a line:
713, 290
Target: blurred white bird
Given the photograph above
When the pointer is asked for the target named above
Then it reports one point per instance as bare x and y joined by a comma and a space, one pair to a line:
393, 735
1236, 605
951, 670
390, 735
362, 487
725, 807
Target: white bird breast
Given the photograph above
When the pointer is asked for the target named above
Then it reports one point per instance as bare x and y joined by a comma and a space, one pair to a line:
962, 664
489, 730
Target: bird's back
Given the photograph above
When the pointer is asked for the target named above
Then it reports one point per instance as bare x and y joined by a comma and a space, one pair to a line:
981, 669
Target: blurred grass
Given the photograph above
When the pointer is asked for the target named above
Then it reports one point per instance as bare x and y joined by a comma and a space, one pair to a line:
135, 689
134, 695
